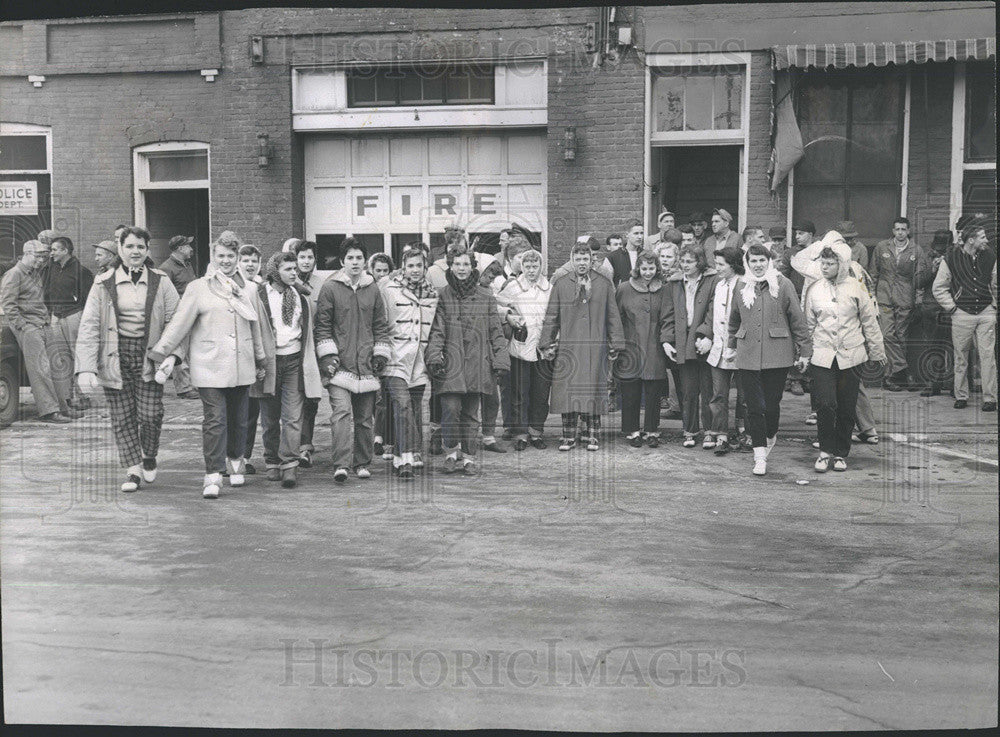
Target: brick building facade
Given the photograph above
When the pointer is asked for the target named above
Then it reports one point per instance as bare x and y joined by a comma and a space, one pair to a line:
257, 121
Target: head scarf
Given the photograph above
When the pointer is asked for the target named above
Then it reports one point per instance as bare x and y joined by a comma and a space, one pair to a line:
749, 292
226, 287
463, 287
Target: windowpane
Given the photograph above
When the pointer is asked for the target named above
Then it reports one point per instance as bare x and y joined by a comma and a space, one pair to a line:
728, 101
433, 85
386, 85
872, 210
329, 248
876, 153
980, 112
178, 168
699, 92
481, 85
373, 242
18, 153
668, 93
457, 86
979, 195
410, 90
824, 205
362, 89
825, 153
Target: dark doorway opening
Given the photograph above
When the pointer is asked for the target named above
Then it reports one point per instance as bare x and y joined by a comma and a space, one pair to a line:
171, 212
696, 178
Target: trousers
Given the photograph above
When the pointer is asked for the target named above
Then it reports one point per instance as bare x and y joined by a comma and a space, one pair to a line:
965, 328
224, 427
762, 390
632, 391
407, 414
137, 408
530, 384
34, 348
352, 426
696, 395
459, 421
281, 414
835, 392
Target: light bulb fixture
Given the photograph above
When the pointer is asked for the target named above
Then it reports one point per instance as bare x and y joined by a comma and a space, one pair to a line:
263, 150
569, 143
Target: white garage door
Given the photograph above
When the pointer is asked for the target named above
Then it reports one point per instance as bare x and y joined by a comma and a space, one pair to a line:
391, 189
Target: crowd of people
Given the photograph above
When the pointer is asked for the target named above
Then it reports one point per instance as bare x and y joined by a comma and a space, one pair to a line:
490, 338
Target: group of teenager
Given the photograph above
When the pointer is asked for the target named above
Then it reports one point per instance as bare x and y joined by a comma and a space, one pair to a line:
489, 337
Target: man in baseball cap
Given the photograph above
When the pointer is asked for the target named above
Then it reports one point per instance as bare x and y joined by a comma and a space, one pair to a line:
722, 234
105, 254
699, 224
178, 267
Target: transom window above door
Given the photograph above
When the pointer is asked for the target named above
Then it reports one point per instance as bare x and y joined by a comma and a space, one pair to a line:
708, 98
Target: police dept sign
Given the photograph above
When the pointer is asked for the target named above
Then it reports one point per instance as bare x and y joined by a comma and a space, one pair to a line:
18, 198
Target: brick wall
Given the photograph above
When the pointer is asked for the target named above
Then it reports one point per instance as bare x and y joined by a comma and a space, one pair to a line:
98, 118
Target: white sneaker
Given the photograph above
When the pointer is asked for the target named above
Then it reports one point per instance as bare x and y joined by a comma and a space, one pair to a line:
236, 466
149, 470
363, 472
759, 461
418, 462
340, 475
213, 481
770, 445
811, 418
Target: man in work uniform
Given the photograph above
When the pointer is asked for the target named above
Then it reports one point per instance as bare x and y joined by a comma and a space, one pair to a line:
897, 268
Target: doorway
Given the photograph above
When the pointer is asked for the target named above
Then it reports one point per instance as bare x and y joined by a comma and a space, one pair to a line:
171, 212
696, 178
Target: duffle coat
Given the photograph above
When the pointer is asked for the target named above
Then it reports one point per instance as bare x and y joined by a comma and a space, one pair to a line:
410, 318
643, 322
584, 329
466, 338
97, 340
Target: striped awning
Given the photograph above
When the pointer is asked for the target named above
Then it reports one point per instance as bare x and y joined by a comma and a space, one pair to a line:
844, 55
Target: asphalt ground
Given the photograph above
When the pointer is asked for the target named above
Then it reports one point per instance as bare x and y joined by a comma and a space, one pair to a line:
660, 589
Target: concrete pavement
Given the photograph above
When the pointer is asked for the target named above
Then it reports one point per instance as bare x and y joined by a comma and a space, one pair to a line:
626, 589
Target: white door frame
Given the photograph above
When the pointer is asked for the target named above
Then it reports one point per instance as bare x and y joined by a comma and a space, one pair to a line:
140, 174
696, 138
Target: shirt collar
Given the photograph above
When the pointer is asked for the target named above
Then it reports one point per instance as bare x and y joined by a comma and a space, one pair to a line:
122, 276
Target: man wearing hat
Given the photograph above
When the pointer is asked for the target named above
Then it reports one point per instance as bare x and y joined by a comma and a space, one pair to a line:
722, 234
699, 224
105, 254
178, 264
776, 241
178, 267
664, 222
859, 252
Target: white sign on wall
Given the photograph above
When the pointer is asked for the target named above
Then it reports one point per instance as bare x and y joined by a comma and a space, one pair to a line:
18, 198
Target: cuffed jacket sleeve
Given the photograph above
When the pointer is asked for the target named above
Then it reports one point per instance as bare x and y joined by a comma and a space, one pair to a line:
434, 353
796, 320
88, 338
499, 343
550, 326
941, 288
323, 330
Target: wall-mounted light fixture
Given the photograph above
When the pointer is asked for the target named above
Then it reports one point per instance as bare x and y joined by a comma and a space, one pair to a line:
569, 143
264, 152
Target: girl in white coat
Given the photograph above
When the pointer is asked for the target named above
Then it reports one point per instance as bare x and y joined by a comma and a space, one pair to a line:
845, 333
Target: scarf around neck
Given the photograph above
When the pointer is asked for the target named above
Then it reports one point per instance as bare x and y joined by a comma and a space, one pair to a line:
227, 288
770, 276
463, 288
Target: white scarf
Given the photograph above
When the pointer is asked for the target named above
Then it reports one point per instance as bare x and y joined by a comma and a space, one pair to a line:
227, 288
750, 287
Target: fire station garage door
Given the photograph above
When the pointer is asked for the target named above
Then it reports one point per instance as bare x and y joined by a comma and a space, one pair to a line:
391, 188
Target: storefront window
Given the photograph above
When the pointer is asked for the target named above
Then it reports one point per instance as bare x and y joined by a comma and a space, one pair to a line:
980, 112
455, 85
698, 99
25, 187
852, 130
